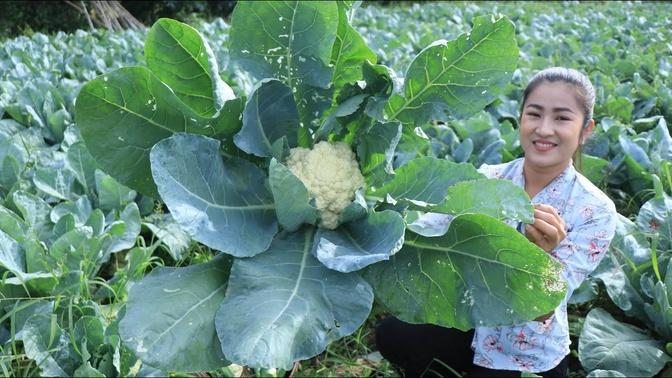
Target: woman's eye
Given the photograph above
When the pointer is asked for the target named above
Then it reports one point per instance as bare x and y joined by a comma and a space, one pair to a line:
534, 115
562, 118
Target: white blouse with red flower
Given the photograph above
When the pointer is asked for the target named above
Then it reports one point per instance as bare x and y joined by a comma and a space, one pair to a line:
590, 217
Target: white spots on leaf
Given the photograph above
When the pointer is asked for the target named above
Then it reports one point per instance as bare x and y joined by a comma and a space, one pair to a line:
141, 348
280, 18
245, 51
301, 59
274, 49
283, 36
121, 139
170, 291
467, 298
105, 79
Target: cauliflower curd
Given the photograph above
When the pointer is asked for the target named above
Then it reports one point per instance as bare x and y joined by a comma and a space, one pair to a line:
331, 174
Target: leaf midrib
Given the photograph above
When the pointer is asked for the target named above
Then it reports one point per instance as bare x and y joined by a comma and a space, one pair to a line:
302, 267
450, 249
181, 318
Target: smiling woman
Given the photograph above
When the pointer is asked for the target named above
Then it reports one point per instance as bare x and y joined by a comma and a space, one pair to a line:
574, 222
556, 118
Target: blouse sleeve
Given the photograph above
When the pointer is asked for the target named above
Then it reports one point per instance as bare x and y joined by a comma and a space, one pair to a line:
586, 243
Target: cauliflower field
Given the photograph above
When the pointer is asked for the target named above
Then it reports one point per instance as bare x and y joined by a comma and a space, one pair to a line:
235, 194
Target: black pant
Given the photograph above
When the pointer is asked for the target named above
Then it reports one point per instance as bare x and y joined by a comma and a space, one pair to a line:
432, 351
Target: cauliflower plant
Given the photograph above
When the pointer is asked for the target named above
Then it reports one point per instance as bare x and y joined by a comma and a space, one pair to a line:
331, 174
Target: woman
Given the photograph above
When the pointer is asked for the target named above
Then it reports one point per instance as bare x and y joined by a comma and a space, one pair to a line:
573, 221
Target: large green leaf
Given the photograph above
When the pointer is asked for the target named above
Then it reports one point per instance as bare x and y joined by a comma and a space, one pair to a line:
290, 41
501, 199
628, 248
76, 248
599, 373
460, 76
359, 243
56, 182
660, 312
122, 114
292, 200
12, 224
180, 57
170, 316
111, 194
224, 205
287, 40
605, 343
426, 179
349, 52
482, 272
130, 218
35, 212
270, 114
594, 169
81, 210
80, 162
285, 306
48, 345
620, 289
11, 255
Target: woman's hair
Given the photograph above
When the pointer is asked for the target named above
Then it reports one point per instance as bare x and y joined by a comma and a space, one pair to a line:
585, 93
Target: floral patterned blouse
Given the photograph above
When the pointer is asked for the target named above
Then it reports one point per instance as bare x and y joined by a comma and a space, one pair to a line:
590, 217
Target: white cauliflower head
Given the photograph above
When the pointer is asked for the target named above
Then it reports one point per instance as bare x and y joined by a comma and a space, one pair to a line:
331, 174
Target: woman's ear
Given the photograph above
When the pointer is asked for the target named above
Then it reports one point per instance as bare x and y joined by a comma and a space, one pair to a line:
587, 130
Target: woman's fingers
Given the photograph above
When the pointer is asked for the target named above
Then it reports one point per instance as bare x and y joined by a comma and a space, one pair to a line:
549, 214
533, 235
539, 238
548, 229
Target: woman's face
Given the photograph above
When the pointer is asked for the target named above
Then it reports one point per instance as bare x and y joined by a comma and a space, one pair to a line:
550, 127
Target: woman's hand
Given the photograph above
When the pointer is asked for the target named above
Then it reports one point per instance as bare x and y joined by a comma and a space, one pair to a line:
548, 229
